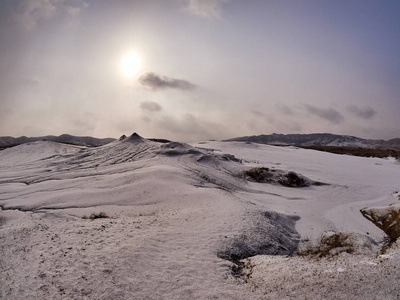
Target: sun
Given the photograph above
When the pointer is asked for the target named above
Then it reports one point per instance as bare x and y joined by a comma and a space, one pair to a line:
130, 65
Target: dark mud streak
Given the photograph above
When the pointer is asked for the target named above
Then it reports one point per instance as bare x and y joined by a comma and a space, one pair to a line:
2, 219
45, 208
269, 233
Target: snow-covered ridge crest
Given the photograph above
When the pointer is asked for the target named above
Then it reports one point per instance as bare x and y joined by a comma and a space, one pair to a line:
130, 161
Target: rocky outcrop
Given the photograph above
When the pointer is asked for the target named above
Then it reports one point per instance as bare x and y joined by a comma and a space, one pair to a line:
386, 218
279, 177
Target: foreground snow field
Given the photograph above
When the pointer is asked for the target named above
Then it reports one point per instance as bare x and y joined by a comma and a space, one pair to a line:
179, 219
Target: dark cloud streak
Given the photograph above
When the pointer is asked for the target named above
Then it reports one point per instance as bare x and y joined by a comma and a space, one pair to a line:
365, 113
157, 82
284, 109
150, 106
329, 114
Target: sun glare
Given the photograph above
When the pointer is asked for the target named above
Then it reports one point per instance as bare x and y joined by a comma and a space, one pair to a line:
130, 65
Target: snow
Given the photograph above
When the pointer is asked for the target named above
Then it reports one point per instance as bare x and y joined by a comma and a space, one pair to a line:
353, 183
177, 213
32, 152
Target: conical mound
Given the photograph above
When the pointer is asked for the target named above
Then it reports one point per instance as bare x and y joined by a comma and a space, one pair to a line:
134, 138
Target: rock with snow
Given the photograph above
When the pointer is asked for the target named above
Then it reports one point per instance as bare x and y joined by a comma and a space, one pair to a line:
333, 243
386, 218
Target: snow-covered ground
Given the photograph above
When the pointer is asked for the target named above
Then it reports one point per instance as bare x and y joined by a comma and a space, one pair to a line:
352, 184
179, 219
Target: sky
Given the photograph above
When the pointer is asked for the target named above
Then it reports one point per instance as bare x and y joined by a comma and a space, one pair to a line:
192, 70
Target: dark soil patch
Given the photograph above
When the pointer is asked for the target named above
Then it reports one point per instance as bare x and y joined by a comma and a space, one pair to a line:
270, 233
274, 176
100, 215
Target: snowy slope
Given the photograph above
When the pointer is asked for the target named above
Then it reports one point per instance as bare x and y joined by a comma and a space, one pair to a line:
167, 223
124, 170
179, 217
353, 183
35, 151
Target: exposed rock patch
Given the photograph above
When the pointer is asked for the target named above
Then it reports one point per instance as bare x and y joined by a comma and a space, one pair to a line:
274, 176
333, 243
386, 218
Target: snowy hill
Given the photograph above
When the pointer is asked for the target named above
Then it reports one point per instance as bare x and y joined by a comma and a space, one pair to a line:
140, 219
35, 151
64, 138
320, 139
116, 162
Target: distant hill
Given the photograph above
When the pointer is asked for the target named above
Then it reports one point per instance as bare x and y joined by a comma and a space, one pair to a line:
7, 141
319, 139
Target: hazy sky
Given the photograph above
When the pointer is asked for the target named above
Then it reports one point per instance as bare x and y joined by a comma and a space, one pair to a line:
205, 69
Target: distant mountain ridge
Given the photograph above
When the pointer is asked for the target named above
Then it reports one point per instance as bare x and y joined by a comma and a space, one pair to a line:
319, 139
64, 138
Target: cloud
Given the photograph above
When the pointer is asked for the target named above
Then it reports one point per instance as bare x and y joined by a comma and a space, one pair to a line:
188, 125
292, 127
150, 106
258, 116
284, 109
28, 81
257, 113
157, 82
263, 123
83, 125
146, 119
365, 113
30, 12
75, 10
328, 114
208, 9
